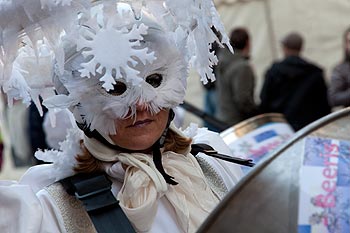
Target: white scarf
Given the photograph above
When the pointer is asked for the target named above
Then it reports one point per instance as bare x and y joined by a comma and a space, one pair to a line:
143, 185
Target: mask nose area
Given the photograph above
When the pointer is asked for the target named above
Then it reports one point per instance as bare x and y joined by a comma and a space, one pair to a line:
141, 106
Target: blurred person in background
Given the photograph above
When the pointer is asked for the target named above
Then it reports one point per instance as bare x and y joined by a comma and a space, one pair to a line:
295, 87
235, 80
339, 89
36, 134
210, 99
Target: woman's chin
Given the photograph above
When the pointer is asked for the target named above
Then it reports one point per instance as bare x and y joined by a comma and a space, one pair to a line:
137, 144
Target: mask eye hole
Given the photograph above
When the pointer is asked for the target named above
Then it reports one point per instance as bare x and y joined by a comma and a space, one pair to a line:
154, 80
118, 89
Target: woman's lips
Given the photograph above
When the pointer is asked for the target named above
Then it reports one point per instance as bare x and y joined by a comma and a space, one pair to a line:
141, 123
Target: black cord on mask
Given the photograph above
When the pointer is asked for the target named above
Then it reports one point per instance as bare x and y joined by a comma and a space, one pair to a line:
157, 156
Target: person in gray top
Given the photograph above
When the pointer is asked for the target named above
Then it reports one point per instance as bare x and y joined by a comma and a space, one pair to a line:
339, 89
236, 80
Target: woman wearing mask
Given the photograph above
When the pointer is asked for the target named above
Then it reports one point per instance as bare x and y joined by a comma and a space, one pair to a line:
123, 71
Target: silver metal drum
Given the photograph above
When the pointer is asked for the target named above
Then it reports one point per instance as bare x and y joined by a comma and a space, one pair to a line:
302, 187
257, 137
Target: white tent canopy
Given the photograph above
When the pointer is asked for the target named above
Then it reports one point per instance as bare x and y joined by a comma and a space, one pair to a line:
321, 22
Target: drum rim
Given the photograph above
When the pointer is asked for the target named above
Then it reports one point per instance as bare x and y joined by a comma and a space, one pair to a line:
251, 124
267, 160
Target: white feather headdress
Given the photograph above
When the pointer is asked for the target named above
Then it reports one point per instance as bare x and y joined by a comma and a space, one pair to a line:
93, 47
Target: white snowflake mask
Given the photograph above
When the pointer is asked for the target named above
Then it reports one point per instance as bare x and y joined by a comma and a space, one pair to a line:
119, 46
160, 84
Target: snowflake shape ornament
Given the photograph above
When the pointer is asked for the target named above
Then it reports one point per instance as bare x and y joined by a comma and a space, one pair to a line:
53, 3
16, 87
197, 19
113, 52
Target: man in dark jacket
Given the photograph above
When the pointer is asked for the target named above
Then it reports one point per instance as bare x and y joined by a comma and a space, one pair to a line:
236, 80
295, 87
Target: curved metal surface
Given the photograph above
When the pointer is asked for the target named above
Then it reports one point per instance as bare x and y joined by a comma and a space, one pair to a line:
253, 123
267, 198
